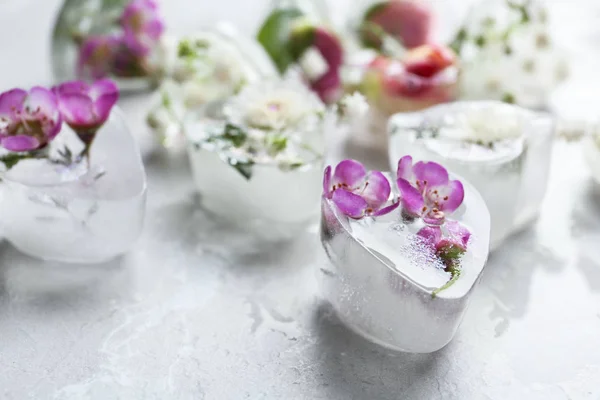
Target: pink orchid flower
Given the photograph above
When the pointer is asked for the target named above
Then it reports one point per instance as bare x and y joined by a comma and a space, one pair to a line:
356, 192
97, 56
142, 26
448, 248
457, 237
85, 108
427, 191
28, 120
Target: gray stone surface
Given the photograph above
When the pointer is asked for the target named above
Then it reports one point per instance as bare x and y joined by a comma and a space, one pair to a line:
194, 311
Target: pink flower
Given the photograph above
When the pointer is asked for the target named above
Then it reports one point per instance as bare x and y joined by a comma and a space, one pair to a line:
142, 26
85, 108
427, 191
408, 21
356, 192
448, 248
457, 237
28, 120
97, 56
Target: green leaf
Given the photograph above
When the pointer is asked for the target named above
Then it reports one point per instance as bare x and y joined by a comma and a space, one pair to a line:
371, 34
274, 36
243, 167
459, 40
277, 143
508, 98
185, 49
234, 134
10, 160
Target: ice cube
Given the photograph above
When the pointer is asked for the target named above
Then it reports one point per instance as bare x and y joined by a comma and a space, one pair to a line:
272, 203
382, 278
72, 213
503, 150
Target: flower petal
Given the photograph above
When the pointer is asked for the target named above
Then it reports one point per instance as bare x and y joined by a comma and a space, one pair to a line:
405, 169
349, 204
431, 174
386, 210
431, 235
412, 201
20, 143
105, 94
41, 100
71, 87
77, 109
450, 196
459, 234
11, 101
377, 190
327, 182
350, 174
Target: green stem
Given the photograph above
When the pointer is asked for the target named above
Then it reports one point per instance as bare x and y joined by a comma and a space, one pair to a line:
451, 282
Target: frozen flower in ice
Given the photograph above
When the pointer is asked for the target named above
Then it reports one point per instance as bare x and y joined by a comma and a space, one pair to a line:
427, 191
485, 125
320, 45
449, 243
97, 56
274, 105
28, 120
407, 21
356, 192
142, 26
85, 108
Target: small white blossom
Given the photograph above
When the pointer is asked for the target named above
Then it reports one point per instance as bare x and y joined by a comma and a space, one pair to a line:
274, 105
354, 106
488, 123
313, 64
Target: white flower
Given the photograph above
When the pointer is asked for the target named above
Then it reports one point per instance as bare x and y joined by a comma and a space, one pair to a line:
313, 64
354, 106
524, 71
274, 104
486, 123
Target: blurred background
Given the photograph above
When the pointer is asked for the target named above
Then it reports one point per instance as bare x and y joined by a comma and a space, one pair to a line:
26, 27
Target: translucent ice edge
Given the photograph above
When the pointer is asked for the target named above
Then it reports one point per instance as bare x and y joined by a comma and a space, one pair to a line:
473, 213
270, 193
591, 151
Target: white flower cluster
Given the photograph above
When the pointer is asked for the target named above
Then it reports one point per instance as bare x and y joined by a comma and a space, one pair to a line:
486, 124
512, 57
275, 105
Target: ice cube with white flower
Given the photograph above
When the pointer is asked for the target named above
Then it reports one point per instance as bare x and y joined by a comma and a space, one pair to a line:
207, 66
502, 149
256, 158
405, 254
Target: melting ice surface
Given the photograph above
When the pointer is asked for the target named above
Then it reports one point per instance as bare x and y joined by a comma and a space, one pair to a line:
397, 245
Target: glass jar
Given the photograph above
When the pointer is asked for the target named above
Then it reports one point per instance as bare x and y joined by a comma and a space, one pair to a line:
94, 39
70, 211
